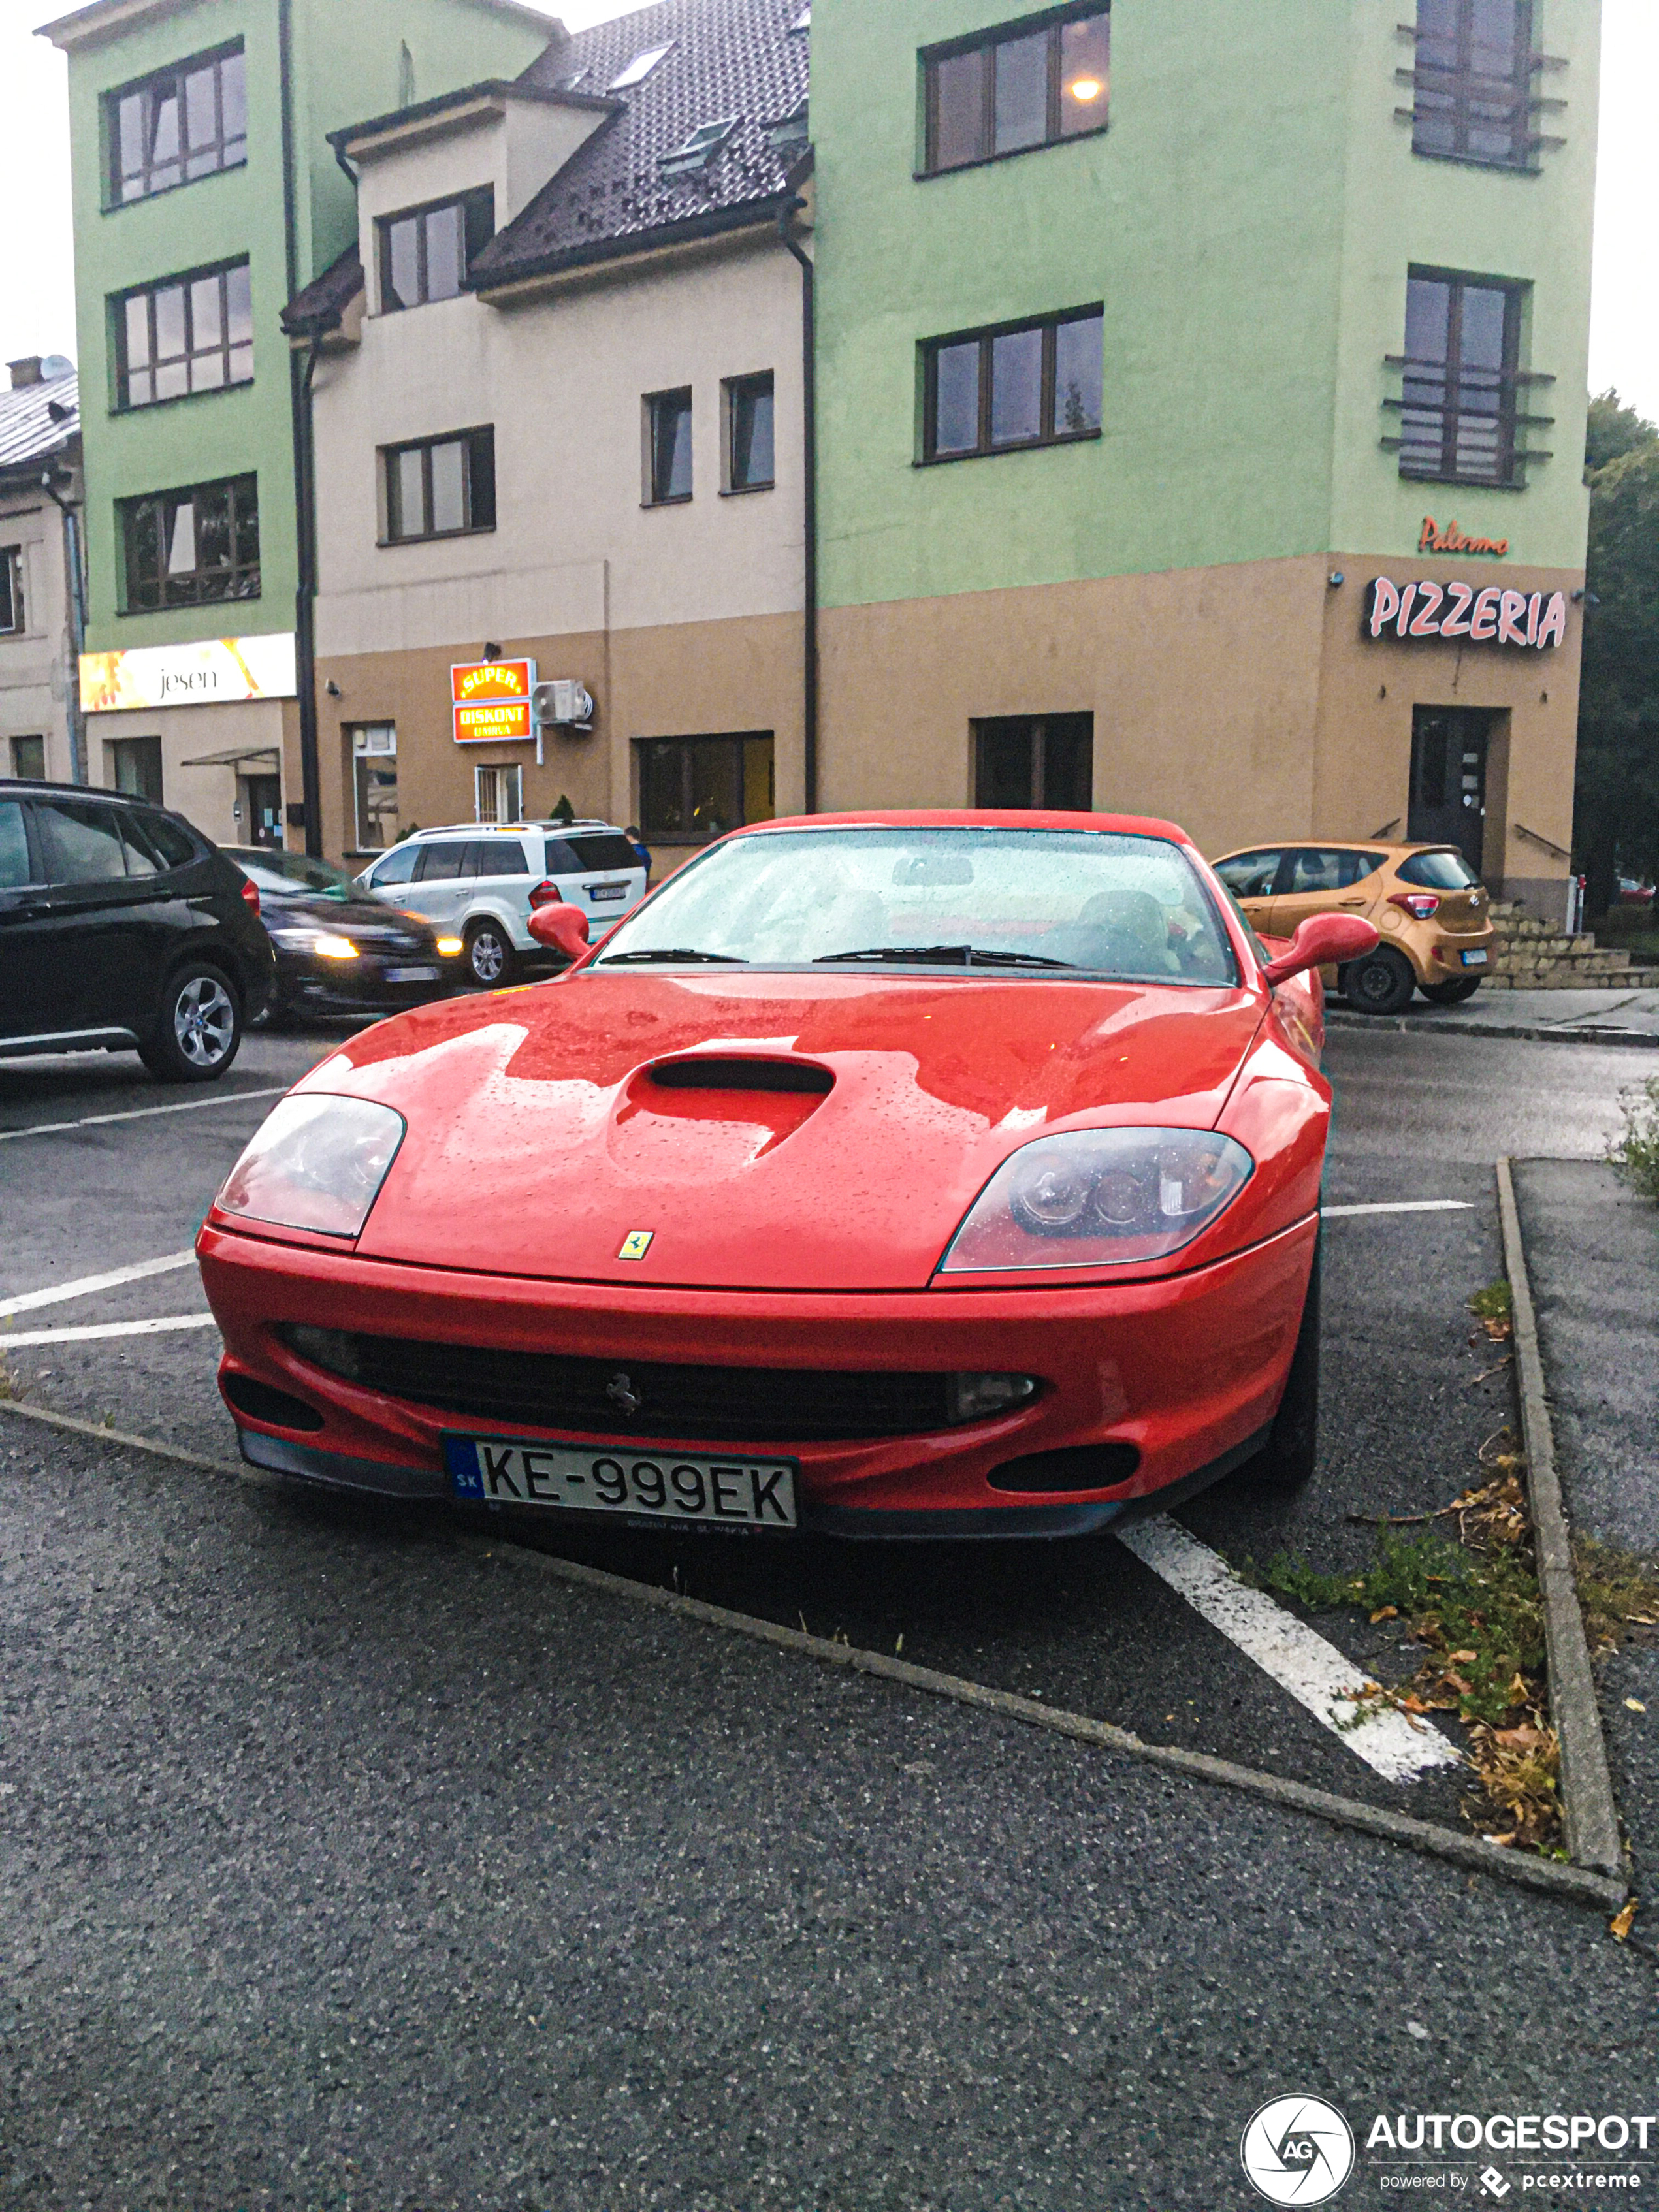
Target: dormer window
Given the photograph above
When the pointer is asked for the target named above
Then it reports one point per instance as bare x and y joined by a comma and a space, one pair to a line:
790, 132
638, 68
426, 253
699, 150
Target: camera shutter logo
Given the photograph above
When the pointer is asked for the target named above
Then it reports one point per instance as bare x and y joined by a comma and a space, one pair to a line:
1298, 2150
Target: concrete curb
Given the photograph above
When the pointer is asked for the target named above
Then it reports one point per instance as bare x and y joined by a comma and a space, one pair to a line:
1449, 1025
1575, 1885
1592, 1815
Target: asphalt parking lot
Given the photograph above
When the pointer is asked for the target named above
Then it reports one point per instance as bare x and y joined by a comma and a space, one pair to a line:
353, 1869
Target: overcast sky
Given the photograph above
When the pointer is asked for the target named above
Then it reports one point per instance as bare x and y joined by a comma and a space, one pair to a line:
37, 310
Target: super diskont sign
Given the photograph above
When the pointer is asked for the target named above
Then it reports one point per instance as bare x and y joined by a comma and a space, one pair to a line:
1482, 615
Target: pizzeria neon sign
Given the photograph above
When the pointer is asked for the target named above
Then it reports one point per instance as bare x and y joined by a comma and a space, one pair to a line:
1531, 620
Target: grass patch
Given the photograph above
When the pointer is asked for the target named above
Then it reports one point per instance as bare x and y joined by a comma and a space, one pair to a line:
1474, 1605
1619, 1591
1494, 1308
1636, 1154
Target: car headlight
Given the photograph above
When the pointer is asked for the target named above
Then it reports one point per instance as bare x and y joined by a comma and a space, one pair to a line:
1094, 1197
321, 942
317, 1163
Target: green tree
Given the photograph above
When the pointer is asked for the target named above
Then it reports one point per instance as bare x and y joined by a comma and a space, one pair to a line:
1616, 803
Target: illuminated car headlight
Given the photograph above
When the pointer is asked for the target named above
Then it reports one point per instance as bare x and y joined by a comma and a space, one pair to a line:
326, 947
1094, 1197
316, 1163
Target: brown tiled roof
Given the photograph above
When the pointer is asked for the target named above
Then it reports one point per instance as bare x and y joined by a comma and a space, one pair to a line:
324, 302
727, 59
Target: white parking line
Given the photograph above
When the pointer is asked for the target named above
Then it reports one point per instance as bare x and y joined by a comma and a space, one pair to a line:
1403, 1205
106, 1328
1315, 1673
140, 1113
28, 1300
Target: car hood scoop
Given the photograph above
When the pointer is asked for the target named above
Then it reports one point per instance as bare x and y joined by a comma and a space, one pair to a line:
771, 1131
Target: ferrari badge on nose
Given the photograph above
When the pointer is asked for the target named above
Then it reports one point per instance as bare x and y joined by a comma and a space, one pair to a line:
636, 1244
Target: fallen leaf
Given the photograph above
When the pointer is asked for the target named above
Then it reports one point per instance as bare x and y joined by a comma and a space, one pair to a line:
1463, 1658
1619, 1926
1385, 1612
1502, 1842
1457, 1682
1634, 1706
1520, 1739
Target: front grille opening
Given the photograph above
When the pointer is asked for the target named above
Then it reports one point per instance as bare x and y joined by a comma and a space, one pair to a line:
736, 1075
496, 1389
1079, 1466
273, 1408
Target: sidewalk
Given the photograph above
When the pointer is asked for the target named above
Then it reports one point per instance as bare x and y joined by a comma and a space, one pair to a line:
1592, 1017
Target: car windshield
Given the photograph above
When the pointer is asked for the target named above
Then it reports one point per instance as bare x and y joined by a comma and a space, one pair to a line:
1437, 871
292, 875
1044, 903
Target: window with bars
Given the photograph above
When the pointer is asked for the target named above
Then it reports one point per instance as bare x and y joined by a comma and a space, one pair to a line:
440, 487
1459, 376
1021, 86
1023, 384
427, 252
1473, 81
176, 125
191, 548
191, 334
692, 789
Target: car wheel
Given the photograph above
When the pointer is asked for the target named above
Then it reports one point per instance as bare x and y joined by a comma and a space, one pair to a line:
1452, 993
200, 1029
1380, 983
490, 957
1285, 1464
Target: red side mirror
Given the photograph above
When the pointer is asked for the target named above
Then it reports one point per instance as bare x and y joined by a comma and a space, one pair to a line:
561, 928
1323, 940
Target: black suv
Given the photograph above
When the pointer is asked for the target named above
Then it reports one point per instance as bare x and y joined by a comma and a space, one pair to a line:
122, 927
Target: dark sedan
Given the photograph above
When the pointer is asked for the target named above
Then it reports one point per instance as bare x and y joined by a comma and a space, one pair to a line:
338, 951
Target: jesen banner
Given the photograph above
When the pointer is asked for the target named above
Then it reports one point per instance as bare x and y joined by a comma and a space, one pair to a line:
492, 701
203, 675
1491, 616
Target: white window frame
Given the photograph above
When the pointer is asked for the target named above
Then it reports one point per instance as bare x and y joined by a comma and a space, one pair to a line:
369, 741
512, 769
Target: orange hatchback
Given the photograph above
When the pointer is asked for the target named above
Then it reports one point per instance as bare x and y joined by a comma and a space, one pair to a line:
1434, 917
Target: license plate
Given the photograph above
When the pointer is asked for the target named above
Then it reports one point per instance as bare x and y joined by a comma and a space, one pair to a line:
411, 975
738, 1490
597, 891
1475, 959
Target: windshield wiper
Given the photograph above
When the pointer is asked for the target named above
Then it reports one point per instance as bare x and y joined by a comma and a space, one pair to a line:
670, 953
966, 956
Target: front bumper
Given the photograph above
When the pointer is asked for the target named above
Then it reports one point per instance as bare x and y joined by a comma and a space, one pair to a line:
1186, 1368
363, 986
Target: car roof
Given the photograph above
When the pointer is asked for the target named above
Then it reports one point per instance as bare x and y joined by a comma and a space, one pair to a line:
977, 817
1333, 845
502, 829
75, 791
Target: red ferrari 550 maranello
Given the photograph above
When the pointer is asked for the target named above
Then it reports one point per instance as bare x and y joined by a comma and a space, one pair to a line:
903, 1175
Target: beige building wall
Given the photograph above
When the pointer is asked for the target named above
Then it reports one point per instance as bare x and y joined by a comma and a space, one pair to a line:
681, 620
208, 755
1241, 702
34, 662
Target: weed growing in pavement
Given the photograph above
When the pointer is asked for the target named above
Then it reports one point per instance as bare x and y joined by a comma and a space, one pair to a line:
10, 1386
1617, 1590
1494, 1308
1636, 1155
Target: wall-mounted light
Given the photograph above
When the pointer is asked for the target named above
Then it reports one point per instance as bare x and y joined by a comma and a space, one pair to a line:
492, 651
1336, 579
333, 690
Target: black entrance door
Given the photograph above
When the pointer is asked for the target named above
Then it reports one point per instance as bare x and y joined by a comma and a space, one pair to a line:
1450, 746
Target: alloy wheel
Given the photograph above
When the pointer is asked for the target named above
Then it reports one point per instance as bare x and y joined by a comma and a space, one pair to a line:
487, 956
204, 1021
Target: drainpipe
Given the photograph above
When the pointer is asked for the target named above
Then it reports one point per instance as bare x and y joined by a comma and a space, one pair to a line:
299, 384
75, 579
810, 468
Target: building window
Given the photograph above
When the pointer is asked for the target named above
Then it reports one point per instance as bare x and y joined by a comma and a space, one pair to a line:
12, 622
692, 789
191, 548
134, 765
1030, 384
1473, 81
667, 447
375, 784
181, 124
195, 334
440, 488
1459, 376
1043, 760
699, 151
498, 794
28, 759
750, 462
426, 253
1009, 90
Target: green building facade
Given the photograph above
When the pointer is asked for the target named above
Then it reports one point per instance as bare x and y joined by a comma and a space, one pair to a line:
1284, 219
206, 193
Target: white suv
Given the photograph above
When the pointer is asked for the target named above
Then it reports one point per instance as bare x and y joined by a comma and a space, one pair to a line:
480, 883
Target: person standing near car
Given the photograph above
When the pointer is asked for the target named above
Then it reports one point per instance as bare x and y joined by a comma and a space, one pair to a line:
632, 834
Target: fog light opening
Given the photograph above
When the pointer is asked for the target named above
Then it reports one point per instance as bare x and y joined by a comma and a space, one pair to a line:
977, 1397
1078, 1467
330, 1348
